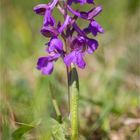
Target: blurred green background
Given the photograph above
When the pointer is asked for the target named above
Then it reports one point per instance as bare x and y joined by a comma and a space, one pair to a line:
109, 86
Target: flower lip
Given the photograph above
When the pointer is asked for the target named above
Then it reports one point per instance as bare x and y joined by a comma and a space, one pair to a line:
49, 31
45, 65
75, 57
95, 27
92, 45
96, 24
48, 69
42, 61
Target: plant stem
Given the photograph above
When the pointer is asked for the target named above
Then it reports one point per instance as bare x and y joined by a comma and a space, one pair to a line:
73, 86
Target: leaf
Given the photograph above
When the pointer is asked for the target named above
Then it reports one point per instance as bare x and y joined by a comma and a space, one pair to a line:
57, 130
74, 102
18, 133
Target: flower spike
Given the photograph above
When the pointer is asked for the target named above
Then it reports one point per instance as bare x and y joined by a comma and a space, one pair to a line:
79, 44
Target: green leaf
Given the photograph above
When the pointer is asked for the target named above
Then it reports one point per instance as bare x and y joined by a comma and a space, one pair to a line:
57, 130
74, 102
18, 133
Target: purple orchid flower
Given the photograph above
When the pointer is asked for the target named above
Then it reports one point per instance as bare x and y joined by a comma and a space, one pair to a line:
55, 50
78, 45
46, 11
45, 64
75, 57
77, 53
51, 31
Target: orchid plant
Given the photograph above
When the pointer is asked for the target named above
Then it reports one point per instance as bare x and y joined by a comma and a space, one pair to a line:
69, 42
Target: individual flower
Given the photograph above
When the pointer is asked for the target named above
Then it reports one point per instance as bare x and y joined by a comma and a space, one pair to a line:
46, 11
77, 53
79, 47
45, 64
51, 31
75, 57
55, 50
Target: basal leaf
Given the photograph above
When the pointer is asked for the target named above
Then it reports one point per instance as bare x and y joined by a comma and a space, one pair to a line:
58, 132
18, 133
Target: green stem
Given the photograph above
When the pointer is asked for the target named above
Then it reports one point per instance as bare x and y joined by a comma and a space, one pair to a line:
73, 85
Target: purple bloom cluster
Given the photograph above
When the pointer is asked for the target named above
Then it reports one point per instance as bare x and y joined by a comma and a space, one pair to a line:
76, 40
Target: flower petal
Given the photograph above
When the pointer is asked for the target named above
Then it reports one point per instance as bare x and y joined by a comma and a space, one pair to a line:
92, 45
70, 58
42, 62
48, 69
80, 61
95, 27
75, 57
